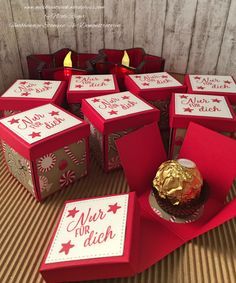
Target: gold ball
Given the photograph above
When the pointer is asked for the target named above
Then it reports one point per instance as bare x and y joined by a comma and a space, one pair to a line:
179, 181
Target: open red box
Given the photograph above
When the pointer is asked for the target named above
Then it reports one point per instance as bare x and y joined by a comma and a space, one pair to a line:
156, 88
26, 94
86, 86
212, 84
155, 236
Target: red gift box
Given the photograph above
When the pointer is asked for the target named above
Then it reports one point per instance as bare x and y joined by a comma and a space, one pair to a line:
148, 237
214, 112
210, 84
95, 238
156, 88
112, 116
45, 148
89, 86
26, 94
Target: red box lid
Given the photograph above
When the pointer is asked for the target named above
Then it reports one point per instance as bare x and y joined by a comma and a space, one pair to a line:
26, 94
41, 130
211, 111
119, 111
211, 84
85, 86
94, 238
153, 86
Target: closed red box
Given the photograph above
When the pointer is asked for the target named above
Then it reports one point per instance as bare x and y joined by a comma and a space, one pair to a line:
95, 238
26, 94
156, 88
112, 116
214, 112
211, 84
86, 86
45, 148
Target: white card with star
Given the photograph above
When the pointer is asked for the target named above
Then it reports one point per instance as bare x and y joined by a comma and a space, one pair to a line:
154, 80
92, 228
212, 83
33, 89
201, 105
40, 122
118, 105
91, 82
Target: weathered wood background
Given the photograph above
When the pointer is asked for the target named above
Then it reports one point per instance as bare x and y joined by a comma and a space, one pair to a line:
194, 36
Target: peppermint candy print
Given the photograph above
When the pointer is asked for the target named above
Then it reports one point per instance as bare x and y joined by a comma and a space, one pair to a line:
157, 212
46, 163
67, 178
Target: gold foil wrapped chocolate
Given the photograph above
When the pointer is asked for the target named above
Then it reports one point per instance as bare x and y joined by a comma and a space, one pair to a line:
179, 181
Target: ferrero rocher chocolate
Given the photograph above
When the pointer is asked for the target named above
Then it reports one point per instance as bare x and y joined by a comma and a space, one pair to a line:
178, 181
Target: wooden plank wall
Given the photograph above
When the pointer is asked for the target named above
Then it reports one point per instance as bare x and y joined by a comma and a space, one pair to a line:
197, 36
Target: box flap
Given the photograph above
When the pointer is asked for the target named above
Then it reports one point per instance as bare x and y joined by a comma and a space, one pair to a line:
118, 111
211, 111
141, 152
214, 154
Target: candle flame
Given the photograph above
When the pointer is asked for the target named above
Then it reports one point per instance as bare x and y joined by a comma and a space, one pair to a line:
67, 61
125, 60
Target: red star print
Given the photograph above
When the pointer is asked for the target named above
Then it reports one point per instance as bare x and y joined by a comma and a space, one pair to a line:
79, 86
183, 96
197, 78
113, 208
53, 113
13, 121
95, 100
125, 97
164, 76
66, 247
25, 94
188, 109
112, 112
23, 83
216, 100
200, 87
34, 134
72, 212
227, 82
107, 80
47, 83
145, 84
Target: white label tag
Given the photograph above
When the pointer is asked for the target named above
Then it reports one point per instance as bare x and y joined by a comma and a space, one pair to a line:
117, 105
91, 82
40, 122
92, 228
201, 105
154, 80
33, 89
212, 83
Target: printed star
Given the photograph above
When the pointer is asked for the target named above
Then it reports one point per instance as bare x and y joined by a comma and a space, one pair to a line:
112, 112
164, 76
95, 100
188, 109
23, 83
227, 82
25, 94
200, 87
66, 247
78, 86
183, 96
13, 121
145, 84
107, 80
53, 113
34, 134
72, 212
47, 83
197, 78
216, 100
125, 97
113, 208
